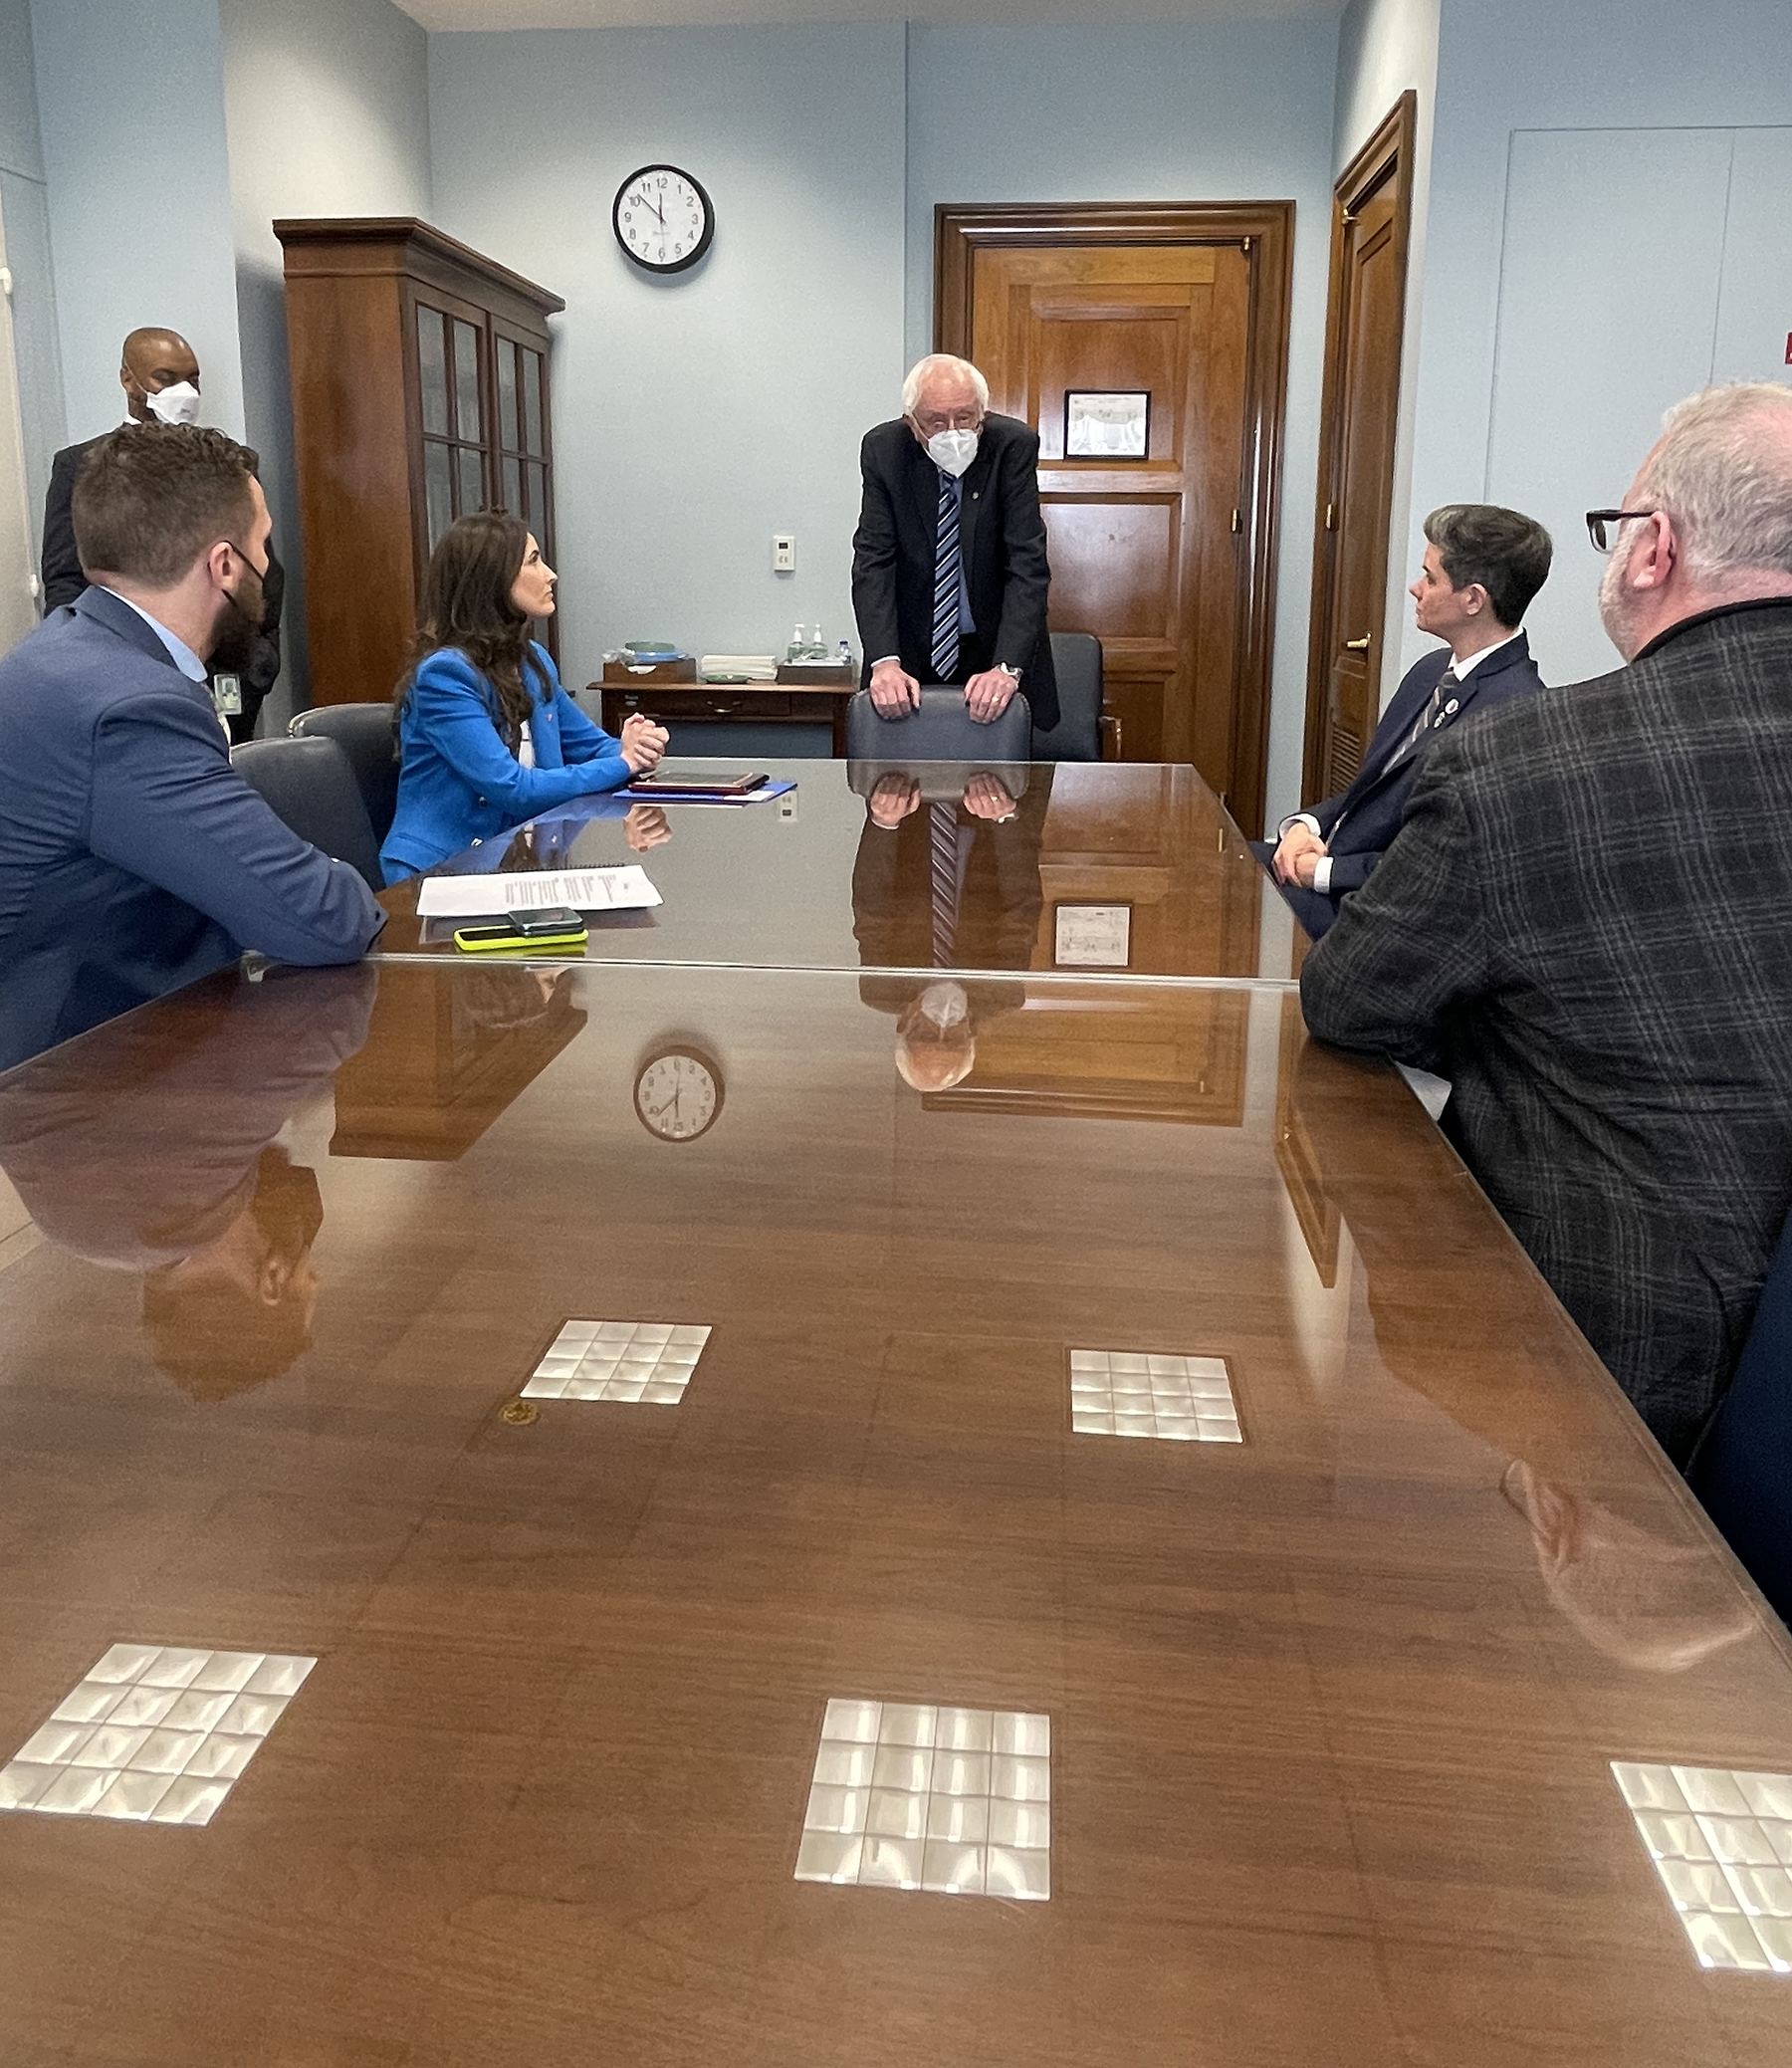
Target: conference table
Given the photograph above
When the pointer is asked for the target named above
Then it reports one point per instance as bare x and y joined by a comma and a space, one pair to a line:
566, 1513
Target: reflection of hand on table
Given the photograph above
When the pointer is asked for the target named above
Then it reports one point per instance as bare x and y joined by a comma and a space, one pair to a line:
892, 799
645, 827
987, 797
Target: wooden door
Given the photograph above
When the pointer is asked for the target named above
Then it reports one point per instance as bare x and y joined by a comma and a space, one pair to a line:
1365, 320
1165, 556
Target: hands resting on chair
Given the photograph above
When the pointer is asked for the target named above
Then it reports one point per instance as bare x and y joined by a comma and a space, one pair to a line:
894, 797
894, 694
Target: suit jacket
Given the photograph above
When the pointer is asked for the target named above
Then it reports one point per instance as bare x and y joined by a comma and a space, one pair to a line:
1367, 815
1002, 537
1583, 925
458, 781
999, 906
132, 857
62, 582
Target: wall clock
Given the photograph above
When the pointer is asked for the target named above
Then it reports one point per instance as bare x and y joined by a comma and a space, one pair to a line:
678, 1093
663, 219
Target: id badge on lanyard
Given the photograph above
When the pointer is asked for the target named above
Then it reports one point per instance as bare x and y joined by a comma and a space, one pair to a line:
227, 695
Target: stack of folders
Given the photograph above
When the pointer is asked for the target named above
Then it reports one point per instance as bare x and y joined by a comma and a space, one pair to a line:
737, 667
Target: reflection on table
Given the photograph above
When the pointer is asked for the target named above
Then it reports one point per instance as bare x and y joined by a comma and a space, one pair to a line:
1130, 870
1334, 1653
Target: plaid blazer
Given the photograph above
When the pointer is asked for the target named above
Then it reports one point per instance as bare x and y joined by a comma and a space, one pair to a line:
1585, 924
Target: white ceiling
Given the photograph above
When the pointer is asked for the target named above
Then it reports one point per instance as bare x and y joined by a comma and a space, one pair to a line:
608, 14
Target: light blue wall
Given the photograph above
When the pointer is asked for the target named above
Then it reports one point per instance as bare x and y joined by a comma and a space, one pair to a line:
1528, 67
131, 104
327, 113
1385, 47
1195, 112
25, 209
693, 416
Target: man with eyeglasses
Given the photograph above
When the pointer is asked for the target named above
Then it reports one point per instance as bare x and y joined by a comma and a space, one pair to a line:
949, 571
1583, 925
132, 857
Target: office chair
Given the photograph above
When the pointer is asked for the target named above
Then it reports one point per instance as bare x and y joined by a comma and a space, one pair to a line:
1077, 661
368, 735
1742, 1469
311, 785
941, 729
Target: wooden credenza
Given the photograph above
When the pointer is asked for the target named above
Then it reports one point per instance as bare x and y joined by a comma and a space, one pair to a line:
420, 392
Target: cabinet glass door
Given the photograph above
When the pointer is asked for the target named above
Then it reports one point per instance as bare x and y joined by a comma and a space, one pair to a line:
449, 351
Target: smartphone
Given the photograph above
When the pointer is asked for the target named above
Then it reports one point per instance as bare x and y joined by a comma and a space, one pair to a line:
561, 928
699, 785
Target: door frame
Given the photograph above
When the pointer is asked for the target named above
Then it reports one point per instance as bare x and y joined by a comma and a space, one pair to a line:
1389, 150
1266, 231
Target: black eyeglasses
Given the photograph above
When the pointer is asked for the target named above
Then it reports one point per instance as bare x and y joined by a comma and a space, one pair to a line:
1597, 520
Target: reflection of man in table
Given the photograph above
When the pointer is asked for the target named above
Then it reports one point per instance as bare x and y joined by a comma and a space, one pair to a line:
947, 885
1643, 1588
150, 1147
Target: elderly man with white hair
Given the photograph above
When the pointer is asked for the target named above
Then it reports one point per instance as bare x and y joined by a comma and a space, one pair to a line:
1583, 922
948, 569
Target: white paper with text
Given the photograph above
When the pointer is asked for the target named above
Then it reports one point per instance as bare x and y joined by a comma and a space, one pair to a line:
489, 897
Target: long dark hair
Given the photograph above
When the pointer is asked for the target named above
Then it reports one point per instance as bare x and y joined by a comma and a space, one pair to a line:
467, 603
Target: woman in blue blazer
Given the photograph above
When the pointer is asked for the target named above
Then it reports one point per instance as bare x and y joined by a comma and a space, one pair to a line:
487, 736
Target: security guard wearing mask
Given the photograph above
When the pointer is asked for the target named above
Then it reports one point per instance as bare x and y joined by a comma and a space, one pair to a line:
160, 374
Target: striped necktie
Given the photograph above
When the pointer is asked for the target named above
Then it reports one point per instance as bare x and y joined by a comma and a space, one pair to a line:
946, 584
1432, 710
943, 880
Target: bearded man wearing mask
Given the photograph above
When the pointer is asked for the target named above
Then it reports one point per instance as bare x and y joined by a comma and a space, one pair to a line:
160, 379
132, 857
949, 571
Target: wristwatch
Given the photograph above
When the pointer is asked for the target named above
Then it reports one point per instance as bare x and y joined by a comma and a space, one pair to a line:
1013, 673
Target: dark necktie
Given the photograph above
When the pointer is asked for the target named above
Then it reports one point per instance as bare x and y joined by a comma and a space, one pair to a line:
946, 586
1432, 710
943, 879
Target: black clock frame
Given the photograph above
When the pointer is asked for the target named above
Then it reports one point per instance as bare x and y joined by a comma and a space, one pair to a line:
698, 1054
704, 242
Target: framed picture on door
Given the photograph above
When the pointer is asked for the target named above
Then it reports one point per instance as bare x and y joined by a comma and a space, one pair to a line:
1107, 424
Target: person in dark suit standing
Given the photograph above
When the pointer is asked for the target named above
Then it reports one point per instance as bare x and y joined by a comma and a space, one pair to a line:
1583, 926
949, 571
1482, 566
133, 855
160, 379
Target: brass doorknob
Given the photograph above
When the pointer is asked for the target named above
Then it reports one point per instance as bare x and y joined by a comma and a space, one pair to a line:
1358, 646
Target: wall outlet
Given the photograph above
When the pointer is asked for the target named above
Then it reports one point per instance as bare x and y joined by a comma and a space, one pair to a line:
784, 552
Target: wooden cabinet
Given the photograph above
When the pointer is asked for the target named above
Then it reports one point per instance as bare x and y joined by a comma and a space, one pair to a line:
420, 391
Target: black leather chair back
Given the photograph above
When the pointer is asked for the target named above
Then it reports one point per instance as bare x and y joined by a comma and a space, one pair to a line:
1742, 1471
368, 735
1077, 659
941, 729
310, 786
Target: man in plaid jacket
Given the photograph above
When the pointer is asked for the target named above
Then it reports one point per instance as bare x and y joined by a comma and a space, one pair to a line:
1583, 924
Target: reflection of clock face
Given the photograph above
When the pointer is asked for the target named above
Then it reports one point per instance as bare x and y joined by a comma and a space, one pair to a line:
678, 1094
663, 219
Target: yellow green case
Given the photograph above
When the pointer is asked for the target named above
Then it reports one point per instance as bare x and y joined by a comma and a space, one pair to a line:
534, 945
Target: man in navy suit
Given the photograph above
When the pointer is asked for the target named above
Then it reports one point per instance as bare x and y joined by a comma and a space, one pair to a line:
950, 578
1482, 566
132, 857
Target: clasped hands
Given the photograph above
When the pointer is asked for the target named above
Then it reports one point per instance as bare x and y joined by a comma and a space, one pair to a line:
642, 744
1298, 854
894, 693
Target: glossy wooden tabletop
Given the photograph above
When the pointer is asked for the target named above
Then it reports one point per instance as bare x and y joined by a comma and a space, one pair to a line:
1329, 1710
1122, 871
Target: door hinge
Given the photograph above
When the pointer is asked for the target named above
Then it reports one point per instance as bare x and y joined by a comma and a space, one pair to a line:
1238, 520
1346, 219
1331, 517
1248, 244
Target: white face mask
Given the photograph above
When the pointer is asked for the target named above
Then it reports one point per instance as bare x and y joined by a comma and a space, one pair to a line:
944, 1004
952, 451
176, 404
